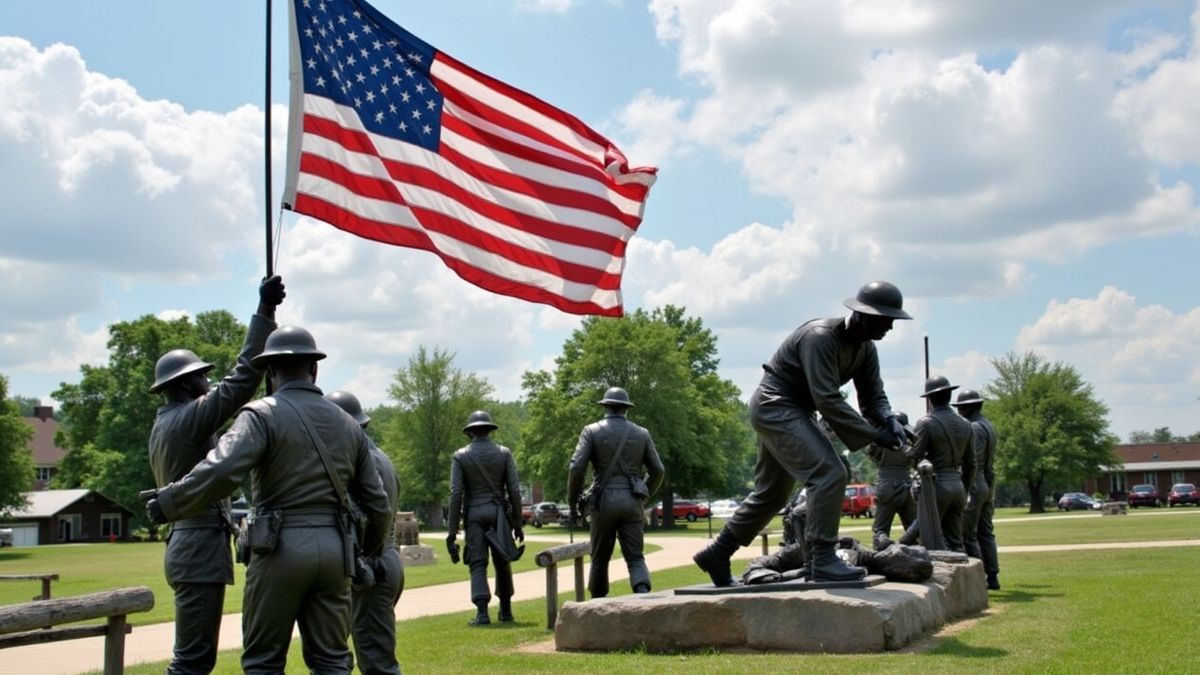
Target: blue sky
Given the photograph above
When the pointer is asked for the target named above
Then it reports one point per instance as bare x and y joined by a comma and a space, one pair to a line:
1029, 184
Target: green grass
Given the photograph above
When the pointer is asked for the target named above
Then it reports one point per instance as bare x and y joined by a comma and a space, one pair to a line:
1104, 612
88, 568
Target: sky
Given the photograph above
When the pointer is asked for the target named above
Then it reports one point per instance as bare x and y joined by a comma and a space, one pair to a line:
1025, 172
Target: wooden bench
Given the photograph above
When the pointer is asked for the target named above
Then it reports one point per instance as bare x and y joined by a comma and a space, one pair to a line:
26, 623
549, 558
46, 579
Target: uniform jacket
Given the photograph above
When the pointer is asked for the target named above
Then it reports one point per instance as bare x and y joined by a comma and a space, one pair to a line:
808, 370
387, 476
469, 487
598, 445
986, 442
947, 441
268, 444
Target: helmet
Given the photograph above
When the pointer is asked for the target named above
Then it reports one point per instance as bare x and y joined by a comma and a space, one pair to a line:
937, 383
175, 364
879, 298
349, 402
288, 341
902, 417
480, 419
967, 397
616, 396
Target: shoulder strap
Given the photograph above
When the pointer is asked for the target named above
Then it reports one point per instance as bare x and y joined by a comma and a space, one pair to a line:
616, 458
491, 484
320, 446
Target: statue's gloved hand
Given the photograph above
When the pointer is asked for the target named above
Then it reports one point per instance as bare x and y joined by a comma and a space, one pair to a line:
896, 427
452, 547
271, 291
518, 533
154, 511
886, 438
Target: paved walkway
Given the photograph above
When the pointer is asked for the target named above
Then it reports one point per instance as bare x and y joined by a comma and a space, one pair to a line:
154, 642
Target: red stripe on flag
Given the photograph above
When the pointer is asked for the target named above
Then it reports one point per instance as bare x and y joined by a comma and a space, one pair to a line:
390, 234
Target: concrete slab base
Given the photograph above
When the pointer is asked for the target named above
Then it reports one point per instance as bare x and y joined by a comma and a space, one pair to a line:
884, 617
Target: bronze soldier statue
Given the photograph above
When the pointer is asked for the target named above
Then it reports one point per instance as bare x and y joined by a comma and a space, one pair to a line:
978, 534
804, 378
197, 561
893, 496
373, 613
304, 458
485, 493
617, 449
947, 441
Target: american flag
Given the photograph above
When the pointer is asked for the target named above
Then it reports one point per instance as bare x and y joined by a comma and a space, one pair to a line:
397, 142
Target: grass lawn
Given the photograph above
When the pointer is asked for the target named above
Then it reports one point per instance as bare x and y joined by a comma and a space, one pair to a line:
88, 568
1100, 612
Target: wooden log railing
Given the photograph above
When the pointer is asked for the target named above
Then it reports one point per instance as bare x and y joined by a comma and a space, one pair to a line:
46, 579
23, 624
549, 558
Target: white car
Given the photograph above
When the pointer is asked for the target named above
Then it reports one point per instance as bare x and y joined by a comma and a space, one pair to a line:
724, 508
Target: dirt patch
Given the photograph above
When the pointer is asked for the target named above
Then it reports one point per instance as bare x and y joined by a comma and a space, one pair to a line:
540, 647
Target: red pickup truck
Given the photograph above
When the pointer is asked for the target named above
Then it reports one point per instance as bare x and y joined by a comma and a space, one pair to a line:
859, 501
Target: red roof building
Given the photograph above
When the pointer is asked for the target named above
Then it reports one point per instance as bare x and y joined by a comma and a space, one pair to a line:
46, 455
1158, 464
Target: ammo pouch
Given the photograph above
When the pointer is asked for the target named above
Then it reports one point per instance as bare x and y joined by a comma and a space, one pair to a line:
263, 531
639, 487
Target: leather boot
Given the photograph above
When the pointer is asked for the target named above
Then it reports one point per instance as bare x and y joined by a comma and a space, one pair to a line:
642, 588
506, 610
993, 582
827, 566
714, 559
481, 615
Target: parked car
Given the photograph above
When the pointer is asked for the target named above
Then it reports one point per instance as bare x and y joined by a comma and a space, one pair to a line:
1077, 501
685, 509
1143, 495
724, 508
859, 501
1183, 493
543, 513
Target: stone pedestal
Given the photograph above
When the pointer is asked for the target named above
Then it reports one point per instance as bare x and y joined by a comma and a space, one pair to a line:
849, 620
416, 555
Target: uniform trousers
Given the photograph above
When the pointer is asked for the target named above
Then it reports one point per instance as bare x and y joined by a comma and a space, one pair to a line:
480, 518
302, 581
893, 497
197, 564
618, 516
792, 449
374, 619
979, 538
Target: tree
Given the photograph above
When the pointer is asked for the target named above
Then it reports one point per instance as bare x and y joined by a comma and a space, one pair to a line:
16, 461
667, 362
107, 415
1160, 435
434, 399
1053, 431
26, 404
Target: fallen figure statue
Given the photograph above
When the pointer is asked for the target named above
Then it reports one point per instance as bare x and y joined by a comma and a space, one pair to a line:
897, 562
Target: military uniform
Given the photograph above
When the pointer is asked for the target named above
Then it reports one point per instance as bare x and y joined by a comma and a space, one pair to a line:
474, 468
305, 579
893, 495
978, 534
198, 564
804, 377
620, 512
947, 441
373, 607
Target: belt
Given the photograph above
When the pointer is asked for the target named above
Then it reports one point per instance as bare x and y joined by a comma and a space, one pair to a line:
312, 516
947, 474
206, 522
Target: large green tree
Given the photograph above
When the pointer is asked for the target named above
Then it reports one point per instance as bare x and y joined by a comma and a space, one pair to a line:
433, 400
107, 415
16, 462
1160, 435
1053, 430
667, 362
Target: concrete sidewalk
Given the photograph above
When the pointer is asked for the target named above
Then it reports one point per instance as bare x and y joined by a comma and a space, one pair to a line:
154, 642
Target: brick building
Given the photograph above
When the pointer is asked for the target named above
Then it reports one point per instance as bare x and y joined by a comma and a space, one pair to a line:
64, 516
1159, 464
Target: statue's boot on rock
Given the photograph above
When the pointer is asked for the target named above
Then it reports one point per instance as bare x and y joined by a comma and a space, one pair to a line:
827, 566
714, 559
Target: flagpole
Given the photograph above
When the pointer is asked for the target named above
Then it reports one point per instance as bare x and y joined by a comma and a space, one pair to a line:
267, 147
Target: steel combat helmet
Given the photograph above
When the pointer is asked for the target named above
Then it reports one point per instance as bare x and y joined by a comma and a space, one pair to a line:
288, 341
480, 419
937, 383
349, 402
879, 298
175, 364
616, 396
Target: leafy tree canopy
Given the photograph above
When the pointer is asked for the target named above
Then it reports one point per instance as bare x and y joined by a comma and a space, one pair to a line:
667, 362
108, 414
16, 461
1053, 430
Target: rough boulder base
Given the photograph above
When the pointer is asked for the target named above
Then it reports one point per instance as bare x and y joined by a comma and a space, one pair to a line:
884, 617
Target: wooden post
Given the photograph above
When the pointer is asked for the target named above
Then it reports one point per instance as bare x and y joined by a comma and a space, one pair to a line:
551, 595
114, 646
46, 586
579, 579
766, 542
